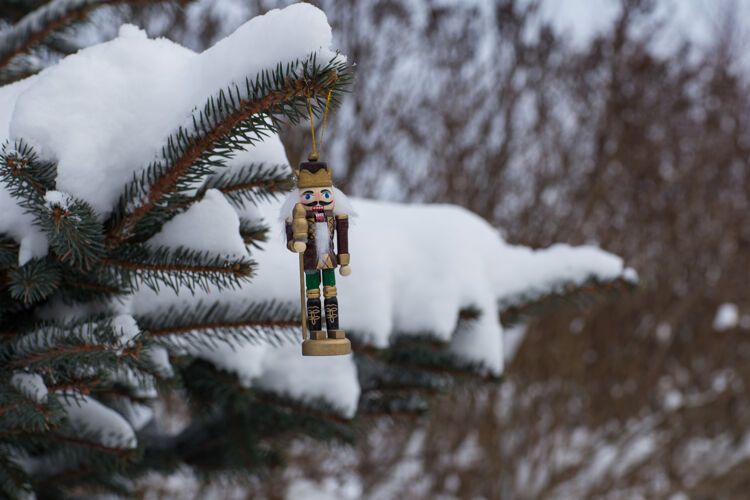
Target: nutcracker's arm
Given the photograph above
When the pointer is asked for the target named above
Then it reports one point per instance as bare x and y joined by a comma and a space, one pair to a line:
296, 230
289, 234
342, 240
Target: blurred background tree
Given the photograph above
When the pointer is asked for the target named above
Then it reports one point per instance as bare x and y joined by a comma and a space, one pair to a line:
618, 141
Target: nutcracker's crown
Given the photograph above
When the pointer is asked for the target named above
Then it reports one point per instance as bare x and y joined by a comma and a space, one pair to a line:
313, 174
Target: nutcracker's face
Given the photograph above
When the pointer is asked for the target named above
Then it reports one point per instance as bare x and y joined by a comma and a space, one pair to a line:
317, 198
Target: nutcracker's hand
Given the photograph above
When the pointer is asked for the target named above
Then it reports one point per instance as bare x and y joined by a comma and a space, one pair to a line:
299, 246
345, 270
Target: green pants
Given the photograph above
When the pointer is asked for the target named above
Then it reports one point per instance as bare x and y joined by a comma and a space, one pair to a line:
312, 278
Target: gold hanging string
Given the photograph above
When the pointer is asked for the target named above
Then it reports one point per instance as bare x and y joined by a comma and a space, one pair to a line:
325, 115
312, 126
316, 151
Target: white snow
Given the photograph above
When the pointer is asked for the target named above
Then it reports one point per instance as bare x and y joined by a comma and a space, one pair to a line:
268, 151
279, 368
630, 275
158, 357
414, 267
14, 221
88, 415
137, 415
512, 340
406, 278
263, 42
127, 328
57, 198
303, 378
210, 225
481, 340
8, 97
727, 317
104, 113
17, 223
535, 272
245, 361
305, 489
31, 385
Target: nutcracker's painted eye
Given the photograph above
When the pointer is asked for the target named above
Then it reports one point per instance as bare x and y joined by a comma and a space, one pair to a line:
307, 196
327, 195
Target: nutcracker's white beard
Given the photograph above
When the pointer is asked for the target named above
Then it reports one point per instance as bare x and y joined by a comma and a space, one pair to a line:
322, 239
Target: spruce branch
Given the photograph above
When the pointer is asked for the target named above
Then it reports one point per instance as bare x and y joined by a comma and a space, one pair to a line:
25, 175
85, 457
8, 252
38, 25
251, 183
82, 353
424, 353
134, 265
34, 281
242, 326
95, 288
72, 348
564, 296
8, 394
409, 404
212, 322
72, 228
14, 481
92, 476
375, 374
91, 443
229, 121
20, 413
83, 385
319, 409
86, 286
74, 232
253, 232
256, 415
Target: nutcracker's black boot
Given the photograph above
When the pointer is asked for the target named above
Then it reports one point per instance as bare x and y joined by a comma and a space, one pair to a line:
332, 313
314, 317
318, 345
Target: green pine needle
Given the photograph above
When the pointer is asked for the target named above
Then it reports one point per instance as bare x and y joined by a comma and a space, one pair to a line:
34, 281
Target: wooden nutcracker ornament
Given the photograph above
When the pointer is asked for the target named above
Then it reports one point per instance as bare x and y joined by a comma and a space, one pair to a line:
311, 232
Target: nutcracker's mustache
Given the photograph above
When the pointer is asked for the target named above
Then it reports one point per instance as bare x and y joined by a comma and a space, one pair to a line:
318, 203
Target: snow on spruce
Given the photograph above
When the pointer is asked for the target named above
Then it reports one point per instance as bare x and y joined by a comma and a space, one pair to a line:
102, 114
88, 416
414, 267
30, 385
219, 228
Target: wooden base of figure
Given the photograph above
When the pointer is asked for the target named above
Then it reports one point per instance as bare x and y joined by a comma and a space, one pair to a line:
327, 346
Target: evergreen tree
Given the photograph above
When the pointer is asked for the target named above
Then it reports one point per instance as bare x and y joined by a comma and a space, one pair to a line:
77, 366
57, 373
